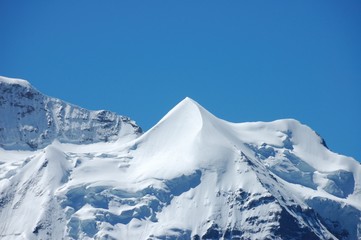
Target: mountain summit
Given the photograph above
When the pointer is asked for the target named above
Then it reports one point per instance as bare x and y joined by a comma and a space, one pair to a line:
191, 176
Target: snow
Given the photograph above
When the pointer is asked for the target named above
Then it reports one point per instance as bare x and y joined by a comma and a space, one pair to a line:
192, 174
20, 82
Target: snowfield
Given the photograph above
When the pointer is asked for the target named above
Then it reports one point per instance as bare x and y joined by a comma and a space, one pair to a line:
191, 176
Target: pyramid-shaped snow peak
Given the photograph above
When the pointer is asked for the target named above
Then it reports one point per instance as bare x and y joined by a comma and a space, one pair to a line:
182, 138
187, 119
187, 112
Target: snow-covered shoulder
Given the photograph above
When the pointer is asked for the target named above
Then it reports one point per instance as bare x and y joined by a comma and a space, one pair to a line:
15, 81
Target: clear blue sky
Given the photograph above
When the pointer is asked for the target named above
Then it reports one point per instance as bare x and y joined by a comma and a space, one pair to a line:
242, 60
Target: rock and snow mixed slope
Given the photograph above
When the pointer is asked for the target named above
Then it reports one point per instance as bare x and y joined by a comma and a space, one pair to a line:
31, 120
192, 176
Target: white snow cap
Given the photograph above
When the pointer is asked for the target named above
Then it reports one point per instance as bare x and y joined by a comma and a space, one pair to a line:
17, 81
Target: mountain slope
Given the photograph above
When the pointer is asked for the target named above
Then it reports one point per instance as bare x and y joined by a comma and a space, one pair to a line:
31, 120
191, 176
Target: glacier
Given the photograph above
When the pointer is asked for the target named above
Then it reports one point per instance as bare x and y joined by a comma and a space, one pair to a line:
191, 176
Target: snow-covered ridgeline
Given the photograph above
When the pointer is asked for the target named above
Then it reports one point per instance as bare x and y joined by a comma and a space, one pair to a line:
31, 120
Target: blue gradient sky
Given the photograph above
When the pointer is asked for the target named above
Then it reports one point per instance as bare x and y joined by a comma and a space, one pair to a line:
242, 60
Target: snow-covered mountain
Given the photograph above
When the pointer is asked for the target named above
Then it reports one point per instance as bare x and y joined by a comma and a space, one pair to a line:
192, 176
31, 120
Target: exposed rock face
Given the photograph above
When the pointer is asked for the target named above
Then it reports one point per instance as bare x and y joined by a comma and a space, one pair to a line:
31, 120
